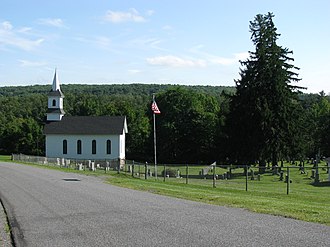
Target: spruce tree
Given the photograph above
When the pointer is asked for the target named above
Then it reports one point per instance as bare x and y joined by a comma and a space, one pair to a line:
261, 122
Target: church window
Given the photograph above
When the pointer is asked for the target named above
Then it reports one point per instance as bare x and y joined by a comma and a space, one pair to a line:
54, 102
65, 147
79, 147
93, 147
108, 147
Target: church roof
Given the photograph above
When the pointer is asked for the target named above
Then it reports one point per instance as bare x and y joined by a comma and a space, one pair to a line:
56, 93
55, 110
87, 125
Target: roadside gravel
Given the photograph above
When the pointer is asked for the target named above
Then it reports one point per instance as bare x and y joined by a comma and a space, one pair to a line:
5, 239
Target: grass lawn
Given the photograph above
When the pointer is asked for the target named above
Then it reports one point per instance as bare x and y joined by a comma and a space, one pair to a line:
5, 158
304, 202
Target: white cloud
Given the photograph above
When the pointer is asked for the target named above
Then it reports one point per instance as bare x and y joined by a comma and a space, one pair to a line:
150, 12
6, 25
118, 16
100, 42
103, 42
167, 27
54, 22
12, 38
229, 61
146, 42
25, 30
235, 58
134, 71
26, 63
242, 55
174, 61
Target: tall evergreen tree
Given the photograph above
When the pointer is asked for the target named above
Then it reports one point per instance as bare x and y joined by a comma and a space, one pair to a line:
260, 122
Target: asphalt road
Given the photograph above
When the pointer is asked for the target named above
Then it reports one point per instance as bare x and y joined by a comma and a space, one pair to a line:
52, 208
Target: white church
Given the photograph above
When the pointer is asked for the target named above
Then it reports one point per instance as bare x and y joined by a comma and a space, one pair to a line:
82, 137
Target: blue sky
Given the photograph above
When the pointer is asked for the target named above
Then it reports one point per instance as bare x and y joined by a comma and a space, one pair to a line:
186, 42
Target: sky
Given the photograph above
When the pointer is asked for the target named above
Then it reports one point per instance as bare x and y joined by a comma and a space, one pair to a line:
188, 42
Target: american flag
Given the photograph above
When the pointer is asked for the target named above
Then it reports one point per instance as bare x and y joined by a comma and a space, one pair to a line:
155, 108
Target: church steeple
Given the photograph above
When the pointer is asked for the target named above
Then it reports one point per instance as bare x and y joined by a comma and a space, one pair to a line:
55, 101
56, 83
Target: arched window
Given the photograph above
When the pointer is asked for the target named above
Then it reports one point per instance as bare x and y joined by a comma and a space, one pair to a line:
79, 147
54, 102
108, 147
93, 147
65, 147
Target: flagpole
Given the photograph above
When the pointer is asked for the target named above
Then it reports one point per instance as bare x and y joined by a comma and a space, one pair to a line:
155, 146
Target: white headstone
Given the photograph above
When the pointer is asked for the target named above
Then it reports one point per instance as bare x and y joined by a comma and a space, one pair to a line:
178, 173
92, 166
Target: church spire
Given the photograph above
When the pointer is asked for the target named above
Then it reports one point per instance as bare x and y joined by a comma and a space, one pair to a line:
55, 101
56, 82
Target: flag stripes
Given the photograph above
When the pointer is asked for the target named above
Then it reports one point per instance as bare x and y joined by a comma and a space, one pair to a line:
155, 108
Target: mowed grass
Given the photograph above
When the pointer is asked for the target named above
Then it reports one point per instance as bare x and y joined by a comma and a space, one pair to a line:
305, 201
5, 158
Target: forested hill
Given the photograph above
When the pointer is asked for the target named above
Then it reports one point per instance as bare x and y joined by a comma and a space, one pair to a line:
192, 126
114, 89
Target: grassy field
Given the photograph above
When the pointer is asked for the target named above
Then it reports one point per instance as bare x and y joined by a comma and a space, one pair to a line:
5, 158
305, 201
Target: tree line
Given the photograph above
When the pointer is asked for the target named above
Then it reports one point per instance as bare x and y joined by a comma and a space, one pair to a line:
193, 126
264, 118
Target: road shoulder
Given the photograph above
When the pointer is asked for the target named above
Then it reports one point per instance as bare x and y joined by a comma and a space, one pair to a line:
5, 238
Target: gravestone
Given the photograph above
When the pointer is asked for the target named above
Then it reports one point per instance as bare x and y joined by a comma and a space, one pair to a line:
287, 178
328, 164
229, 175
92, 166
281, 175
107, 165
301, 168
313, 174
252, 174
178, 175
80, 166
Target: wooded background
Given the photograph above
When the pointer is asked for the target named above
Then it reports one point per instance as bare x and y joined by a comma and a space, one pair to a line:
191, 127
